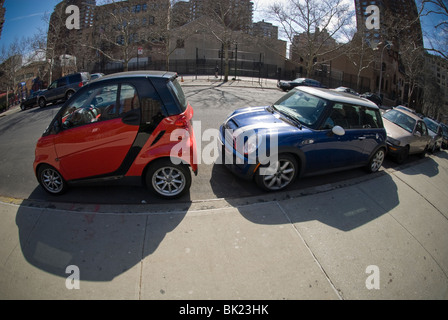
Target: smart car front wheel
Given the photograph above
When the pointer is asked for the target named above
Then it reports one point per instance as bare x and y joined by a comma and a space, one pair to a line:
51, 180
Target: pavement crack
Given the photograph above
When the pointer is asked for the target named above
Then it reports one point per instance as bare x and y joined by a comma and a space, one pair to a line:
141, 261
338, 292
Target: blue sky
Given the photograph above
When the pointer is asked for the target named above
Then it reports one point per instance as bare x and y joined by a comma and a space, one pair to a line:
24, 17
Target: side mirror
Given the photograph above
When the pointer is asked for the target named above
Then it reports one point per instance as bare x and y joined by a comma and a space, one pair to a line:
338, 130
417, 134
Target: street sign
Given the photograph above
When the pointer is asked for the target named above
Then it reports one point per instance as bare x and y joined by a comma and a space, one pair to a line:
140, 51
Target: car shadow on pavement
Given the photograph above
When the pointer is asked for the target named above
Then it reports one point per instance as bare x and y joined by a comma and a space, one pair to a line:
344, 200
102, 241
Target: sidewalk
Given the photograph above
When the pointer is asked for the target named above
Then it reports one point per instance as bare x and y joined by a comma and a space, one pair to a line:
388, 230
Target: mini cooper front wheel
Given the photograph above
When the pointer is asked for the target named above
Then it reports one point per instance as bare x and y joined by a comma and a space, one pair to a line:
168, 180
279, 175
51, 180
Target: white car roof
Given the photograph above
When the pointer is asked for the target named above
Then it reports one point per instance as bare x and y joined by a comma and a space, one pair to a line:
338, 96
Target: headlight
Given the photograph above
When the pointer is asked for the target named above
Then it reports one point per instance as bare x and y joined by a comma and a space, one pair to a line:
394, 141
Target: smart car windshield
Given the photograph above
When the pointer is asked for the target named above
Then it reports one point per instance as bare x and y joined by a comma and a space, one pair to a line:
400, 119
302, 106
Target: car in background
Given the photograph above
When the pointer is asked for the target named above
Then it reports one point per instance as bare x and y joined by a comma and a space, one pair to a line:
347, 90
95, 76
31, 101
63, 88
373, 97
444, 136
436, 133
288, 85
121, 127
407, 134
406, 109
308, 131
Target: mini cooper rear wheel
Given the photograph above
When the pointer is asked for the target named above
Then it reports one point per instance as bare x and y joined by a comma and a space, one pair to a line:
376, 161
168, 180
279, 176
51, 180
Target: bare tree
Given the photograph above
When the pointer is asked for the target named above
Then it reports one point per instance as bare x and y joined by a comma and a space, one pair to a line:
11, 60
438, 37
225, 22
124, 26
311, 26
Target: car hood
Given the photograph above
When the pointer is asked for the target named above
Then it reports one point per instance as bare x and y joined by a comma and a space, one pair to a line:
258, 118
395, 131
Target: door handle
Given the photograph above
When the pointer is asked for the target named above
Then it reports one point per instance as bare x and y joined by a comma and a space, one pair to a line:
362, 138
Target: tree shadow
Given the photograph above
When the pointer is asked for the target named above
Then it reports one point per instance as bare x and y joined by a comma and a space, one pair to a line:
102, 241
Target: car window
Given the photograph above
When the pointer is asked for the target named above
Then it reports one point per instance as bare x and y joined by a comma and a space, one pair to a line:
95, 104
371, 118
129, 99
53, 85
345, 116
431, 125
179, 93
302, 106
74, 78
62, 82
400, 119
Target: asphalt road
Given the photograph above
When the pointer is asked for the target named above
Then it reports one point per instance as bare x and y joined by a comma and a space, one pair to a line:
19, 132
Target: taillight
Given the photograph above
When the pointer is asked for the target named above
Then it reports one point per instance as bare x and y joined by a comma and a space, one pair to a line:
80, 84
181, 122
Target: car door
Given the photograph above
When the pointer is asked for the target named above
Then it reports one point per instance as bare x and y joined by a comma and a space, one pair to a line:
420, 137
98, 129
330, 151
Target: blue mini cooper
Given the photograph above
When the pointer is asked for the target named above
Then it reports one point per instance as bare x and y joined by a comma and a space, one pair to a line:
308, 131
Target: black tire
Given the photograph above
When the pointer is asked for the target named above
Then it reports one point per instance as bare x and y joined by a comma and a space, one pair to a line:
68, 95
51, 180
286, 170
423, 154
400, 158
42, 103
168, 180
376, 161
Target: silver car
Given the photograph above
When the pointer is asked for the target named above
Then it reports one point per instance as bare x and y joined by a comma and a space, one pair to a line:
436, 133
407, 134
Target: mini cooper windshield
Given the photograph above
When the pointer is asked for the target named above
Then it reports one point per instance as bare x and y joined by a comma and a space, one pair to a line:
301, 106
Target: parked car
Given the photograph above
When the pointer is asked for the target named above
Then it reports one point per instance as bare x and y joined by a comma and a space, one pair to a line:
308, 131
436, 133
63, 88
407, 134
31, 101
445, 136
119, 127
288, 85
95, 76
373, 97
347, 90
406, 109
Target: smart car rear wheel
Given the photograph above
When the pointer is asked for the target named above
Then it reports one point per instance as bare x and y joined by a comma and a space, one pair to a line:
279, 175
51, 180
168, 180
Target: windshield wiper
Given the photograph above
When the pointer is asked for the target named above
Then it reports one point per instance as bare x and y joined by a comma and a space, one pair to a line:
289, 115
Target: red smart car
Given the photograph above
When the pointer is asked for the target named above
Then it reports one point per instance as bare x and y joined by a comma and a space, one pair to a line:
131, 124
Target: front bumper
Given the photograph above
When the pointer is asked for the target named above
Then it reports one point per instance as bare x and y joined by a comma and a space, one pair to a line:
394, 150
237, 163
